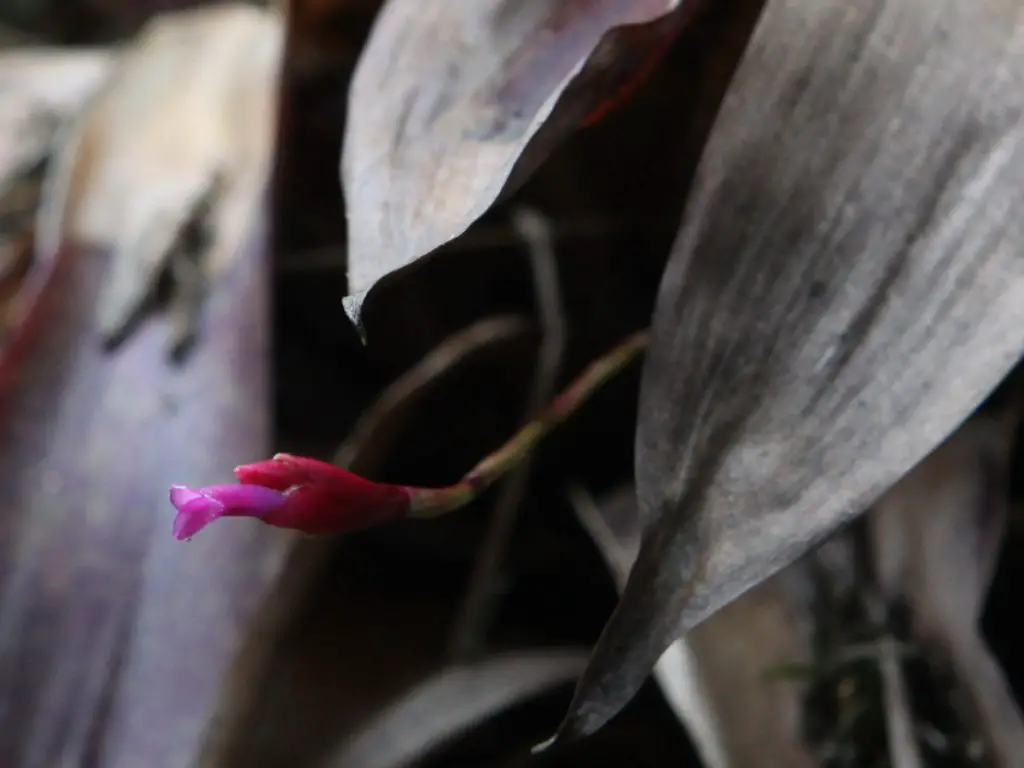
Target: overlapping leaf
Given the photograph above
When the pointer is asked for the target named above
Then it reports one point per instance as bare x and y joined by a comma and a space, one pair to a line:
847, 287
448, 96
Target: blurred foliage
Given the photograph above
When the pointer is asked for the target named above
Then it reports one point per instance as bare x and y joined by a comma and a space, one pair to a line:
85, 22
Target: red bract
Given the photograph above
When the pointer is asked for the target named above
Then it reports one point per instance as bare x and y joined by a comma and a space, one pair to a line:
292, 492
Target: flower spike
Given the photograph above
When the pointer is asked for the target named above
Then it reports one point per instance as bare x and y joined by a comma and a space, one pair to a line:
317, 497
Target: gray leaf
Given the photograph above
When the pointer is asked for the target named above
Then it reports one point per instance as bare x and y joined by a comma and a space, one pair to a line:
446, 98
847, 287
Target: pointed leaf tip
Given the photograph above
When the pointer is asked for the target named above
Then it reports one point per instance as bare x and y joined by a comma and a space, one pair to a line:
446, 99
545, 745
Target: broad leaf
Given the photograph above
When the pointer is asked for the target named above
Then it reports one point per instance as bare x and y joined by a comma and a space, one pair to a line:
848, 285
447, 96
116, 640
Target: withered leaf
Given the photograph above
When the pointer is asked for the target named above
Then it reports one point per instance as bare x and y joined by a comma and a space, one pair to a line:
180, 135
848, 285
447, 96
39, 87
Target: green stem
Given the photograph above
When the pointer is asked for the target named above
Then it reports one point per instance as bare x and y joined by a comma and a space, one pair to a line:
433, 502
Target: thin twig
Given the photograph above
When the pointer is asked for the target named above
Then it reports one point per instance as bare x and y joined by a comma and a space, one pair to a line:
903, 748
478, 603
426, 503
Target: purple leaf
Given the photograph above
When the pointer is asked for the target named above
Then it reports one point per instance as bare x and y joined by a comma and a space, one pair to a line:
115, 640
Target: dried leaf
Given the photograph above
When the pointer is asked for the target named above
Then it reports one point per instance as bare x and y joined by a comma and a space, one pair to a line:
114, 639
453, 701
847, 287
447, 97
38, 88
180, 136
936, 538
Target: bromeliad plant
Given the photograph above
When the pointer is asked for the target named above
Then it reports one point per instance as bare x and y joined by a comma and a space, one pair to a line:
846, 286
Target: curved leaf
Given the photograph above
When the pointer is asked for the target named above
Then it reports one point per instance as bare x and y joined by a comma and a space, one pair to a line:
847, 287
114, 639
447, 96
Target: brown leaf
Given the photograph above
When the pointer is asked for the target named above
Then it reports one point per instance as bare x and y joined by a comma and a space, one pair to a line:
446, 98
847, 287
116, 639
936, 537
181, 135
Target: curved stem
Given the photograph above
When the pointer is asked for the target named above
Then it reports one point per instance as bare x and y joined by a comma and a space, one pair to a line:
434, 502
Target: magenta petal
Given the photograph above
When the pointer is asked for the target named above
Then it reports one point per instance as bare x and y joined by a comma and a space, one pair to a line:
182, 495
245, 500
197, 508
196, 515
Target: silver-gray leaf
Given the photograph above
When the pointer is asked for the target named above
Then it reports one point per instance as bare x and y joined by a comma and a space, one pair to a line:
848, 285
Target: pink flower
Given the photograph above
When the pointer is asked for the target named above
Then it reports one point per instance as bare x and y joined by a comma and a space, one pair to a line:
292, 492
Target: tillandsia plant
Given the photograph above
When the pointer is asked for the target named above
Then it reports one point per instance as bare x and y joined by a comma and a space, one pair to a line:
846, 286
845, 289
